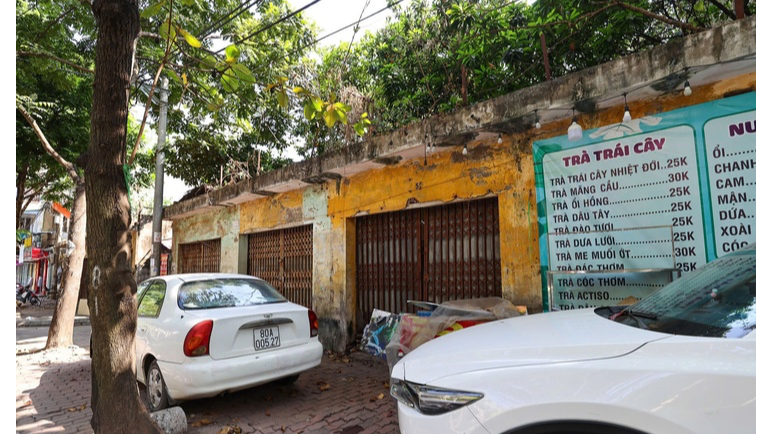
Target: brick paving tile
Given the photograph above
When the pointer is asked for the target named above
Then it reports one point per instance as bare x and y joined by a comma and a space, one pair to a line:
344, 395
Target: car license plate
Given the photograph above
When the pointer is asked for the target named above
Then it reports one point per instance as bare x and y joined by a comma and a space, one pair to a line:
266, 337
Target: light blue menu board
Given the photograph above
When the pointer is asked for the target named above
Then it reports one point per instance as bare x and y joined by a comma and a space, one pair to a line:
692, 169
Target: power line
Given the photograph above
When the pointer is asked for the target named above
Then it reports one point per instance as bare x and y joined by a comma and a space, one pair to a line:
227, 18
389, 6
269, 26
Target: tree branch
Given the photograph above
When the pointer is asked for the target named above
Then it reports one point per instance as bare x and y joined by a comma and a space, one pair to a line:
58, 59
724, 9
69, 167
649, 14
52, 23
150, 35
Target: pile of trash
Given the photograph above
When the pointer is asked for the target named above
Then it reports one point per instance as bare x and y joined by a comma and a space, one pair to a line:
391, 336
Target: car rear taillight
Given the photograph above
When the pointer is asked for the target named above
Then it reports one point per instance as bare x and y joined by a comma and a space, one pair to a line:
197, 341
313, 323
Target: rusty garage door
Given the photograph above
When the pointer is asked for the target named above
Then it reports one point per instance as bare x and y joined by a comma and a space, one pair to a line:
432, 254
200, 257
284, 258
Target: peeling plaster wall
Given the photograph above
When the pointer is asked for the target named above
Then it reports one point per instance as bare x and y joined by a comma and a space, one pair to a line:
487, 170
222, 224
282, 210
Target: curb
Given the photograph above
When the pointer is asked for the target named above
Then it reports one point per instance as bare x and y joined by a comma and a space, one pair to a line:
46, 321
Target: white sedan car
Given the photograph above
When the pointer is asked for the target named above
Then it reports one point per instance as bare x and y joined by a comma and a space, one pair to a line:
199, 335
680, 361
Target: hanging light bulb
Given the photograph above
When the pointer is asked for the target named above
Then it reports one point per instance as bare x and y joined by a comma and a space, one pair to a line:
574, 130
428, 148
433, 148
538, 124
464, 152
626, 118
499, 139
687, 88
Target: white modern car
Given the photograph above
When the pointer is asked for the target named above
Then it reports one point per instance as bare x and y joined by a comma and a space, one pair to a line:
680, 361
199, 335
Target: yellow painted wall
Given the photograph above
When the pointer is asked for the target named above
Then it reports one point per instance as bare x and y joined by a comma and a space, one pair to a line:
489, 169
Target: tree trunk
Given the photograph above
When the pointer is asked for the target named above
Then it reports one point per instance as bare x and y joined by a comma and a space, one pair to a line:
115, 401
60, 332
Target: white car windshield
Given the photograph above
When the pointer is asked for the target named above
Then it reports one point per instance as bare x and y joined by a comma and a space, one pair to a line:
227, 292
717, 300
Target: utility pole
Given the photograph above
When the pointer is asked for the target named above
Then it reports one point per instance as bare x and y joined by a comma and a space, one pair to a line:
158, 200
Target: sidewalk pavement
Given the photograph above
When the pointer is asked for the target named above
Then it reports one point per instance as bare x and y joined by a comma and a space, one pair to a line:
346, 394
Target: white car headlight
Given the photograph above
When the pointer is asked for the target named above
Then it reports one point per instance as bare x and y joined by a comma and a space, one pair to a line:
431, 400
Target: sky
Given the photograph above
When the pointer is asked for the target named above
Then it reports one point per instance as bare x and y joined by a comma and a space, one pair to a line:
331, 15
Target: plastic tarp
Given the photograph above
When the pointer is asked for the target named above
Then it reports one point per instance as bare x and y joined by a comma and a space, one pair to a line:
415, 330
378, 333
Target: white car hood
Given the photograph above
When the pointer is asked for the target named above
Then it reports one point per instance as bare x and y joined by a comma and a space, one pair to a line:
555, 337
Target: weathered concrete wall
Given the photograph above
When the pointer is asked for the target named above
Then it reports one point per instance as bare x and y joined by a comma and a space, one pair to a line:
267, 213
222, 224
489, 169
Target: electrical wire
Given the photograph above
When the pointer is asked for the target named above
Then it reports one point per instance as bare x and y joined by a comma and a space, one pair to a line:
269, 26
227, 18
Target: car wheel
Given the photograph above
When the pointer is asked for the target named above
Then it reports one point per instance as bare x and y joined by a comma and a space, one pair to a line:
289, 380
156, 388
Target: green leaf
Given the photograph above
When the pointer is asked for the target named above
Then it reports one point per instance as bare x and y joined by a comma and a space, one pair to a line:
173, 75
343, 107
188, 2
298, 90
283, 99
229, 81
245, 125
190, 39
699, 6
232, 54
168, 31
309, 112
209, 61
153, 10
318, 103
243, 73
329, 118
341, 116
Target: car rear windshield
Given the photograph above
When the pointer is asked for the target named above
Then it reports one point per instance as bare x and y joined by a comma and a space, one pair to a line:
215, 293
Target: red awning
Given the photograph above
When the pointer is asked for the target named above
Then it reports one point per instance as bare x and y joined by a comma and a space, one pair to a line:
38, 253
61, 209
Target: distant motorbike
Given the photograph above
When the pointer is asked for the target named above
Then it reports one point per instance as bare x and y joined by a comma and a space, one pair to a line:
25, 295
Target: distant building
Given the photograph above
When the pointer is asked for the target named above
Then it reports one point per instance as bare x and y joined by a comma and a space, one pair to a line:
37, 256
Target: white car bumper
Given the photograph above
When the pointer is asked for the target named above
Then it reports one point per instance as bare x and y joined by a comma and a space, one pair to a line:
204, 377
458, 421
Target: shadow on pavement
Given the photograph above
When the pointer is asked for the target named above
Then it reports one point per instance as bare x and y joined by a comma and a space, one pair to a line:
61, 400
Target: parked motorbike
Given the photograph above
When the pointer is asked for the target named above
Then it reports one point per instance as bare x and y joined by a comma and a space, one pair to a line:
25, 295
